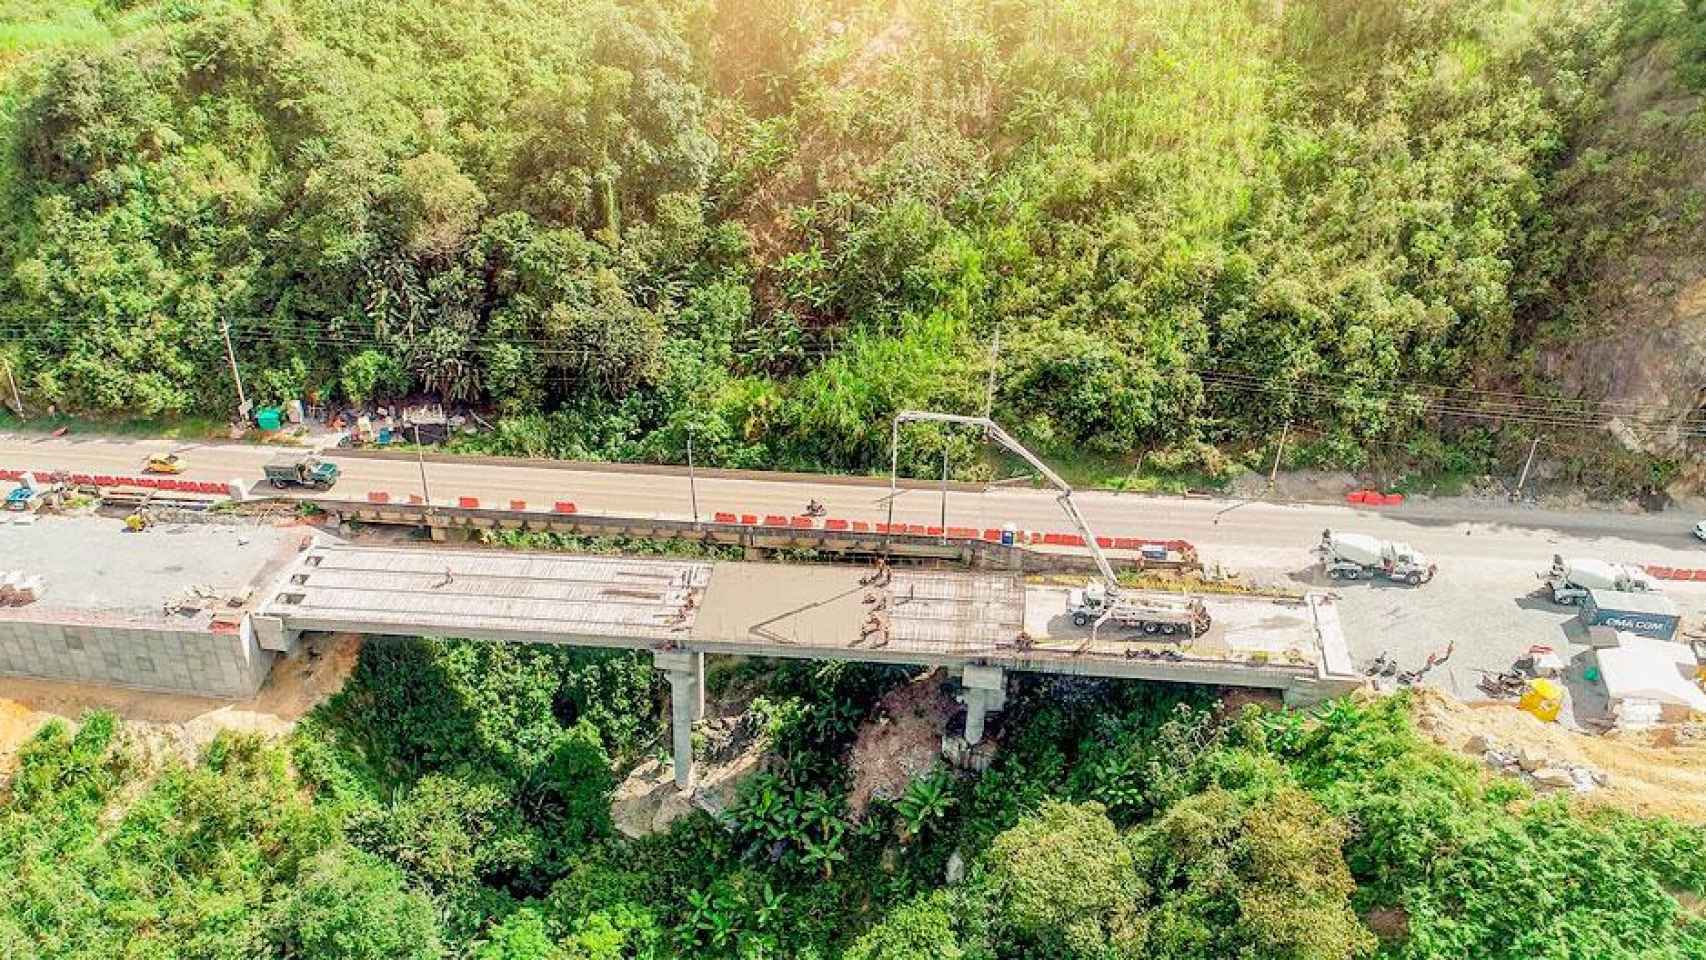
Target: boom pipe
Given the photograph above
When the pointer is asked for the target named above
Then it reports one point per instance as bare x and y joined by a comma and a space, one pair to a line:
994, 431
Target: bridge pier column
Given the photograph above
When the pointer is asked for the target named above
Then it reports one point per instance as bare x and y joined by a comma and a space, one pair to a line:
985, 692
686, 672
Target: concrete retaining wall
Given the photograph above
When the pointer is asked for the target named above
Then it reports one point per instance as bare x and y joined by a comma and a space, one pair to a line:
226, 665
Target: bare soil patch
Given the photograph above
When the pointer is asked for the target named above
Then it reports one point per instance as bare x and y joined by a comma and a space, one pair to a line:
1657, 772
168, 724
902, 741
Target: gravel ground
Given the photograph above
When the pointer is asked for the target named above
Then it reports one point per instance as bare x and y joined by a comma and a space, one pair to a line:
1489, 610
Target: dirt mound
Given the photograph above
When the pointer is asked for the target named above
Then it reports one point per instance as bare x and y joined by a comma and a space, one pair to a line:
1290, 485
902, 741
1658, 772
647, 801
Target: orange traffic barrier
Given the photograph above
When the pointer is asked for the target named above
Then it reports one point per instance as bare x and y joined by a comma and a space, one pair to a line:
518, 505
415, 500
727, 518
805, 522
749, 519
376, 496
563, 506
468, 503
835, 524
775, 520
861, 526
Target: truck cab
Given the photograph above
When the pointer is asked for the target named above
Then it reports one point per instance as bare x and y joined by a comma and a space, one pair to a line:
311, 472
1087, 603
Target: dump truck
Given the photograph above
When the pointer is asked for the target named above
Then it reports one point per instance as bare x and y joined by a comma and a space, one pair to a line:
1570, 580
1166, 614
1352, 556
1648, 613
311, 472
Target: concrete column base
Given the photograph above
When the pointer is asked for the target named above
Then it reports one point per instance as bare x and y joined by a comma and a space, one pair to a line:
1308, 693
686, 672
985, 692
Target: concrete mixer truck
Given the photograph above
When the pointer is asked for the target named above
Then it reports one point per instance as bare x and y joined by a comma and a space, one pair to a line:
1353, 556
1570, 580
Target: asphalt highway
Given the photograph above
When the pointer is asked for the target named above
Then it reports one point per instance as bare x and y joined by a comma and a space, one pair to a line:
1484, 604
1229, 531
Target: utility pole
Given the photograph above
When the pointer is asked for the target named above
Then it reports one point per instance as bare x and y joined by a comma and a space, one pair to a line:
17, 401
231, 355
692, 483
894, 472
944, 489
1523, 478
1286, 431
420, 458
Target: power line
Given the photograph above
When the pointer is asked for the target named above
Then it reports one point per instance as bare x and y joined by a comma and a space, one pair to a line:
1215, 375
1694, 427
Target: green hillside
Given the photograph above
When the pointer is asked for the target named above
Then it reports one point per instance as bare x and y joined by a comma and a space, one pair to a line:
775, 221
449, 803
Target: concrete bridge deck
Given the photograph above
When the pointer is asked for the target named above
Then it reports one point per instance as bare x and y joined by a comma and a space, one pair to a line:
975, 623
150, 618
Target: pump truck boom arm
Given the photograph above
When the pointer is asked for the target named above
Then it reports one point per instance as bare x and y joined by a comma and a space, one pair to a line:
994, 431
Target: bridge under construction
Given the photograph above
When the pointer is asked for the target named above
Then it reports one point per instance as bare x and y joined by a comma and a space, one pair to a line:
166, 631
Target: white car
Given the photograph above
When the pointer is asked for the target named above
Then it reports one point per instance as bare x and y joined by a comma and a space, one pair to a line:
1700, 530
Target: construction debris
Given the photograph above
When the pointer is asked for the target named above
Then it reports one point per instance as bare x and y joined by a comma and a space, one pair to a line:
17, 589
1537, 770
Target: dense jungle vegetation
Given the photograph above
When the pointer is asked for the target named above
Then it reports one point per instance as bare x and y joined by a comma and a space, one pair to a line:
452, 801
772, 222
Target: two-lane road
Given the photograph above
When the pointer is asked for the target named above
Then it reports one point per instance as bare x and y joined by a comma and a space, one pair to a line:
1230, 531
1484, 599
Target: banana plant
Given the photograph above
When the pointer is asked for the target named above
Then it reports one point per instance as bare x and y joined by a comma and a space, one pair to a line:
819, 809
826, 853
1117, 782
925, 801
767, 907
710, 920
